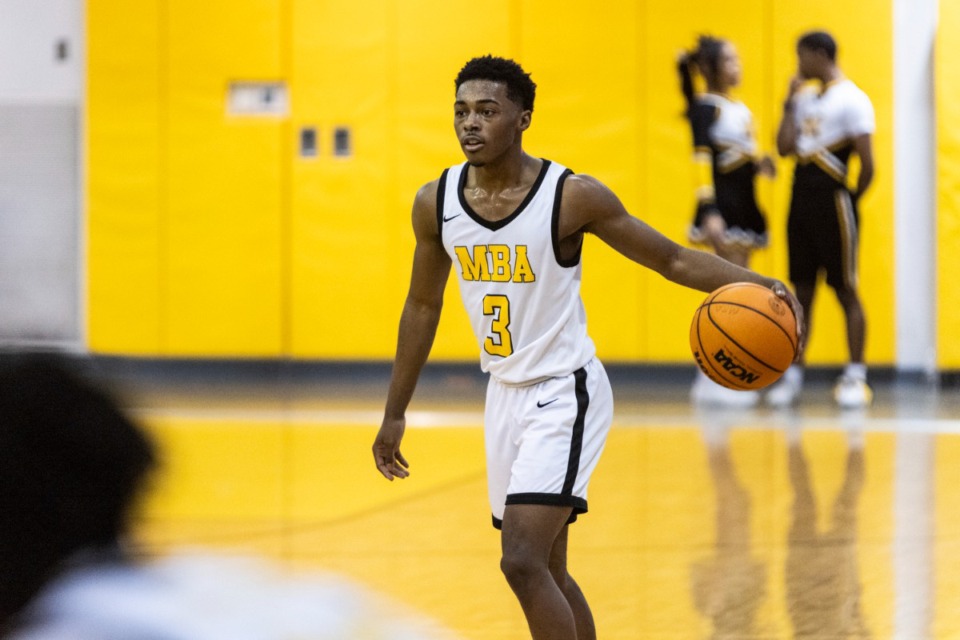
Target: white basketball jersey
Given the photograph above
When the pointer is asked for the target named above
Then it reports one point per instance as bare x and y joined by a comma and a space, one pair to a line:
828, 121
523, 301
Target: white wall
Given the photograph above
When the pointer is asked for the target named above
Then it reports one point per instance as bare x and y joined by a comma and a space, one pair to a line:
30, 69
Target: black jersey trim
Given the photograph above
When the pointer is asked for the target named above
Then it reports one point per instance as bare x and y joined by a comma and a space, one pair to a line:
555, 226
499, 224
441, 195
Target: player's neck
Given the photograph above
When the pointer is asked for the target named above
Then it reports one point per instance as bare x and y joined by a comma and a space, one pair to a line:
719, 89
508, 172
831, 75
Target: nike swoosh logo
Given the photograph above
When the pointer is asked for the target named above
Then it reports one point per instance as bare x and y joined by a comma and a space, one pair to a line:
541, 405
446, 219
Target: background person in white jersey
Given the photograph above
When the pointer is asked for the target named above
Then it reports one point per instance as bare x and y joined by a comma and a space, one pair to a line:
513, 225
823, 125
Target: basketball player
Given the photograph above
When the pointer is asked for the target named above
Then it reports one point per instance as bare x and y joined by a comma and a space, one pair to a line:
823, 125
513, 225
725, 155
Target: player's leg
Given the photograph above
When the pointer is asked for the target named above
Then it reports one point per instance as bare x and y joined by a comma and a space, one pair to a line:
715, 229
856, 322
571, 590
806, 292
528, 536
851, 390
804, 265
842, 272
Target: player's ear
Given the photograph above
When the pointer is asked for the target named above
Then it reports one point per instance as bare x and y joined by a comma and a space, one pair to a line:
525, 119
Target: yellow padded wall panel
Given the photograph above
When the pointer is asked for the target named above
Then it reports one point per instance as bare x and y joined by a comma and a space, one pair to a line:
433, 41
948, 187
866, 57
223, 237
586, 117
668, 203
122, 171
341, 276
240, 247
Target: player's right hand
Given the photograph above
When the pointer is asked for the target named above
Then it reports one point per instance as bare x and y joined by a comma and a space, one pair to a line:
386, 449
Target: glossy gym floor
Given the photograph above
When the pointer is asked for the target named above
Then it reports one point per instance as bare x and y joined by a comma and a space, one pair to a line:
804, 523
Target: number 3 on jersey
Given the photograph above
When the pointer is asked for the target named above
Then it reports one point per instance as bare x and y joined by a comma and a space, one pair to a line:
498, 343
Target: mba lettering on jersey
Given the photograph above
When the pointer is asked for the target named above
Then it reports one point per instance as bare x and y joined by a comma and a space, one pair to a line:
495, 263
523, 300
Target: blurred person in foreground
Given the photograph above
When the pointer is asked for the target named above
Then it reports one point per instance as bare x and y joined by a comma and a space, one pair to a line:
72, 467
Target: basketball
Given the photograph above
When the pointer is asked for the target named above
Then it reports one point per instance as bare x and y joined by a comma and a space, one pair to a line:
743, 336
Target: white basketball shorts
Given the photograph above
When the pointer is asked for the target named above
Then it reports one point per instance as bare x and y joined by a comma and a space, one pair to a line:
543, 441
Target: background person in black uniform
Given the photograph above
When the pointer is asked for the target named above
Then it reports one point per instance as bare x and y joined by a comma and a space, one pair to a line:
727, 217
823, 125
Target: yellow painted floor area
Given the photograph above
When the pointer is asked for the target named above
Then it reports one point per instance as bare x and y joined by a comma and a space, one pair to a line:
809, 525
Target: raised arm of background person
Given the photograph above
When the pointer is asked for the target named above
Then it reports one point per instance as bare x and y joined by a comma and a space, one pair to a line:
418, 327
589, 206
863, 145
787, 132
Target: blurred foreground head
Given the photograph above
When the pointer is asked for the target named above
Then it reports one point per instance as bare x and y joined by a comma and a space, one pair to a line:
71, 465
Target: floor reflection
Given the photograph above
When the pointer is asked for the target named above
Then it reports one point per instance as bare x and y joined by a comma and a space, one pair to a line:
823, 578
757, 526
729, 586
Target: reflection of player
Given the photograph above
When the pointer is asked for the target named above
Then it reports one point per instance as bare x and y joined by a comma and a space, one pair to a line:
513, 227
71, 467
823, 581
729, 587
727, 162
823, 126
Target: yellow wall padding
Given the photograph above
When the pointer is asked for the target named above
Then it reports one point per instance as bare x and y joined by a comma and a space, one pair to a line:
124, 313
243, 248
947, 81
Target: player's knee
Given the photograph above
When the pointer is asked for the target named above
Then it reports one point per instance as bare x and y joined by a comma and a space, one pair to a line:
847, 295
520, 569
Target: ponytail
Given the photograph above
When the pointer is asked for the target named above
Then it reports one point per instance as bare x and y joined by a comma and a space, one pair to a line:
685, 69
705, 58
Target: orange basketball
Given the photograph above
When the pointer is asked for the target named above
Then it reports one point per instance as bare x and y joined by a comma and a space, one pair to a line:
743, 336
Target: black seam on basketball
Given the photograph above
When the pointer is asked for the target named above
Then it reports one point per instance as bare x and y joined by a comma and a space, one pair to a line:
706, 358
746, 351
740, 346
786, 333
739, 285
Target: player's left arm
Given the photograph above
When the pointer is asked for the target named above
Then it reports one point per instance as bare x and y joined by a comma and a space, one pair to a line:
863, 146
589, 206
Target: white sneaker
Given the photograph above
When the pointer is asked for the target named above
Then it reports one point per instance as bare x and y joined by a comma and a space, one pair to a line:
852, 393
785, 392
706, 392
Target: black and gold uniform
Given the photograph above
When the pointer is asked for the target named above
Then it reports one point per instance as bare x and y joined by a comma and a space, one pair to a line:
823, 227
725, 154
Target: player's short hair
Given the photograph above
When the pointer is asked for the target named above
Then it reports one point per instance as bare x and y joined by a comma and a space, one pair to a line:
819, 41
520, 87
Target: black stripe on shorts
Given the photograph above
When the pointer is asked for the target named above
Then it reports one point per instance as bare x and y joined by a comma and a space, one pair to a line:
565, 498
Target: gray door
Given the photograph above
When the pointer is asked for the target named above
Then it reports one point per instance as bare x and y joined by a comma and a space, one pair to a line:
40, 86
